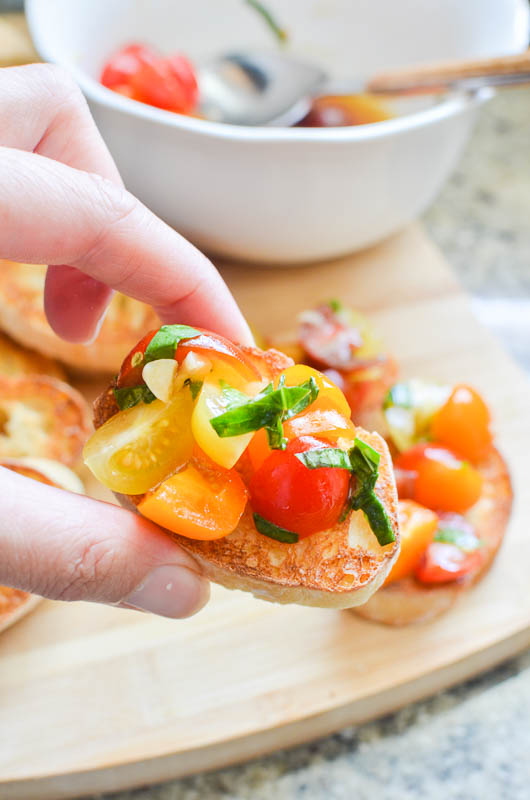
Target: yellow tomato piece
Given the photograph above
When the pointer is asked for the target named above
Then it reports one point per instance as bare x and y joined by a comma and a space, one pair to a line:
210, 403
418, 526
137, 448
328, 393
197, 503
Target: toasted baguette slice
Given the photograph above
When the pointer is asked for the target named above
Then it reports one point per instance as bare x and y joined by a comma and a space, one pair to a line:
14, 603
22, 317
408, 601
337, 568
42, 417
16, 360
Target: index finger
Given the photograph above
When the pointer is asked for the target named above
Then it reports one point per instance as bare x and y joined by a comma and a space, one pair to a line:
58, 215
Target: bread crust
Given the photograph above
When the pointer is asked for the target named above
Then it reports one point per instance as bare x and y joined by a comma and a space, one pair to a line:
43, 417
17, 360
22, 317
337, 568
408, 601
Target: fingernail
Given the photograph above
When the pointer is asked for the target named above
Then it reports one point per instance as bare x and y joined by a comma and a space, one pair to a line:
170, 591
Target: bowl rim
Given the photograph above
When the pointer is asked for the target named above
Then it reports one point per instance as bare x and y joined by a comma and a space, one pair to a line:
450, 105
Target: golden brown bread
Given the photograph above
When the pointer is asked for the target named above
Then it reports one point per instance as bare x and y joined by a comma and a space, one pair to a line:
337, 568
408, 601
14, 603
17, 360
22, 317
42, 417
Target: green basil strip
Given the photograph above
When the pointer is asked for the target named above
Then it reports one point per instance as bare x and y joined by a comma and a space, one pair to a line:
266, 410
274, 531
195, 387
325, 457
375, 513
335, 305
365, 467
132, 395
165, 341
465, 540
270, 21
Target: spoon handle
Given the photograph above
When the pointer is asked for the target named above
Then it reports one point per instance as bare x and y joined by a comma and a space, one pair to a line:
501, 71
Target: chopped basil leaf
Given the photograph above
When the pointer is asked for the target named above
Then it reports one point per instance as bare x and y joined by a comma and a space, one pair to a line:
234, 396
132, 395
274, 531
165, 341
399, 394
465, 540
325, 457
195, 387
371, 505
365, 467
267, 410
335, 305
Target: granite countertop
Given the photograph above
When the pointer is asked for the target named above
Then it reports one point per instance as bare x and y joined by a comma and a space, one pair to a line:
470, 742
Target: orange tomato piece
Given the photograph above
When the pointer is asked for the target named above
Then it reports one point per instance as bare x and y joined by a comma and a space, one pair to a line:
202, 501
443, 481
418, 526
463, 424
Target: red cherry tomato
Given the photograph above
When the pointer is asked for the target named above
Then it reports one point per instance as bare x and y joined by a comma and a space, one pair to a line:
443, 481
443, 562
167, 83
120, 67
294, 497
463, 423
217, 346
209, 344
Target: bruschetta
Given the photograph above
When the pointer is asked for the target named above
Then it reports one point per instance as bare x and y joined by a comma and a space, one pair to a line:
252, 464
455, 499
22, 317
42, 417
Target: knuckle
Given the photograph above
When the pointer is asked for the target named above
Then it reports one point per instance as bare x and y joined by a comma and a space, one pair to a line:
90, 573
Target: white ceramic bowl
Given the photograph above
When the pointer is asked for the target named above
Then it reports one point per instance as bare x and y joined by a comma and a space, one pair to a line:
282, 195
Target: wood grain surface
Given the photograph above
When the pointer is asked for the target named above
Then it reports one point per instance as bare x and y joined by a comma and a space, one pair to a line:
97, 699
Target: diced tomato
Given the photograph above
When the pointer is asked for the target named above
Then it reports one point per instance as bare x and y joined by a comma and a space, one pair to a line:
215, 346
294, 497
463, 424
417, 525
201, 501
120, 68
130, 373
327, 341
443, 481
209, 344
444, 562
329, 395
167, 83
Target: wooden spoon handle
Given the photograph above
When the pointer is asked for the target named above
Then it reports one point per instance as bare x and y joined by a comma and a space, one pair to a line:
501, 71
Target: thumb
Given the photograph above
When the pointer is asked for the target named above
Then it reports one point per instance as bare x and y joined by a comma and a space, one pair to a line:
67, 547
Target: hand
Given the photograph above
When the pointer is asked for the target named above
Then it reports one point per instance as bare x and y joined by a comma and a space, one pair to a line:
62, 203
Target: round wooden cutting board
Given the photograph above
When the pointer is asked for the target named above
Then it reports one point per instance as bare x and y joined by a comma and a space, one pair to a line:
96, 699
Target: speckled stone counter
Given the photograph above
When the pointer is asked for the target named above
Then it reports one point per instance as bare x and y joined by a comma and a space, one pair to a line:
473, 741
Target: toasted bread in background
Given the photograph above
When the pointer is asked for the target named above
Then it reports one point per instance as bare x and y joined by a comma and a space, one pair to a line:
22, 317
17, 360
337, 568
14, 603
43, 417
407, 601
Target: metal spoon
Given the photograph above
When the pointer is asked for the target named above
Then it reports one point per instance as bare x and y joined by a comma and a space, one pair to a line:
271, 88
